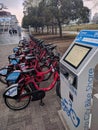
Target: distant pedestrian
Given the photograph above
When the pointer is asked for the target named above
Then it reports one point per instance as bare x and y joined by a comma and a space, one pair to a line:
19, 30
15, 31
10, 31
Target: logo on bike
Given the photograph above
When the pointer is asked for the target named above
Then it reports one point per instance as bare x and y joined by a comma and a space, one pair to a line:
67, 107
12, 92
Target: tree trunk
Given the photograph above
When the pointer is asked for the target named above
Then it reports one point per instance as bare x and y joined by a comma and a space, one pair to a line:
55, 29
52, 29
36, 29
47, 29
42, 29
60, 28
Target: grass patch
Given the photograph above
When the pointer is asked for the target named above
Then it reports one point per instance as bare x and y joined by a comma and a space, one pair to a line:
80, 27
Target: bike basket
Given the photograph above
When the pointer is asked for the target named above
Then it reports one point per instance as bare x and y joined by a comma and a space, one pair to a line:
3, 71
13, 77
14, 61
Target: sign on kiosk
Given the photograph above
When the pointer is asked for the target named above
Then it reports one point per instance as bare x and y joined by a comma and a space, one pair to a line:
77, 74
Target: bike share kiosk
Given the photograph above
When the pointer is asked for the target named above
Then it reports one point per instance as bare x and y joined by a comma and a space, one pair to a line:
77, 73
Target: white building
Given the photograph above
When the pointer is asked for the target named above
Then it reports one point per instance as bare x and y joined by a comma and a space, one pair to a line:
6, 19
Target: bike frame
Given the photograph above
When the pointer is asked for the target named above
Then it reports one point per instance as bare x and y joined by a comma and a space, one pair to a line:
31, 79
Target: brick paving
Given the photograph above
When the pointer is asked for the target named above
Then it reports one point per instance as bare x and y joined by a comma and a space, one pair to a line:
34, 117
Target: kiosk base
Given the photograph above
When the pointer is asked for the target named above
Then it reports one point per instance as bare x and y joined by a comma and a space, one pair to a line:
61, 113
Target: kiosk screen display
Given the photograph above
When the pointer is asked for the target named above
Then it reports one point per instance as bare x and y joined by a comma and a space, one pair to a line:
76, 55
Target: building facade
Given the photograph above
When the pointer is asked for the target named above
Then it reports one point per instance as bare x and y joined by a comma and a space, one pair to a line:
7, 20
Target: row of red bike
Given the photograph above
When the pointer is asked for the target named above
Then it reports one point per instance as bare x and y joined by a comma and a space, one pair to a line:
32, 63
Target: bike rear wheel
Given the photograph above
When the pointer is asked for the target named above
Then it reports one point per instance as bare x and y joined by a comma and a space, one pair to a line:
18, 103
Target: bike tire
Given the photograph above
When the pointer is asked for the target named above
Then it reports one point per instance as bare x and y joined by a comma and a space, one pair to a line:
58, 92
13, 103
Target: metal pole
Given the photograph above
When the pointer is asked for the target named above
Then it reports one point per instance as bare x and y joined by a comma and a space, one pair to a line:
3, 26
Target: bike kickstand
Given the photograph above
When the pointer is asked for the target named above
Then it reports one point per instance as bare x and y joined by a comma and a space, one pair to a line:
41, 103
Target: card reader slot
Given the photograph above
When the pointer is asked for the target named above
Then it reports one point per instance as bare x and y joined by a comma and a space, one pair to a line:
70, 76
66, 75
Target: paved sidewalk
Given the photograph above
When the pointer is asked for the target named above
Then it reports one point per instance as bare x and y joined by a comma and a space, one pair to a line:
34, 117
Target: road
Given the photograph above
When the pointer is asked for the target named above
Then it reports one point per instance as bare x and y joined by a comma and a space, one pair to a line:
6, 38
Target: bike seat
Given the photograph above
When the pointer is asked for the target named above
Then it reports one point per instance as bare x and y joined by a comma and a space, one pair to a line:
52, 48
11, 56
22, 64
14, 61
27, 50
48, 44
30, 57
37, 52
29, 71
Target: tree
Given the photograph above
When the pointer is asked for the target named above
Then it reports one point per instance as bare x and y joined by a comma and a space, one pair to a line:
35, 18
84, 15
95, 18
66, 10
25, 22
55, 12
45, 14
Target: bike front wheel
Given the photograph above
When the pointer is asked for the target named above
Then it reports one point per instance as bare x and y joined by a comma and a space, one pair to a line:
18, 103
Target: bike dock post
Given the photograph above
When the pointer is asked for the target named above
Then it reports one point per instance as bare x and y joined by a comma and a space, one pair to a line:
77, 74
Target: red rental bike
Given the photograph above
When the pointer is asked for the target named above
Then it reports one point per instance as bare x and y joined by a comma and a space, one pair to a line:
19, 95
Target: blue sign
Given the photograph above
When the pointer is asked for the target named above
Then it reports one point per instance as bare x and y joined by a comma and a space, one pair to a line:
89, 37
5, 19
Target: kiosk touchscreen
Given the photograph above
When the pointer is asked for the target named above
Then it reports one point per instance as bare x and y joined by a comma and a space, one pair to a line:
76, 75
76, 55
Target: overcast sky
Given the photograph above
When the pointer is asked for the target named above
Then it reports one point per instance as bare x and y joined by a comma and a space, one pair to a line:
16, 8
93, 5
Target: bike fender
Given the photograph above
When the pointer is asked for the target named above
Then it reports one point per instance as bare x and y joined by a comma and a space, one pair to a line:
11, 91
